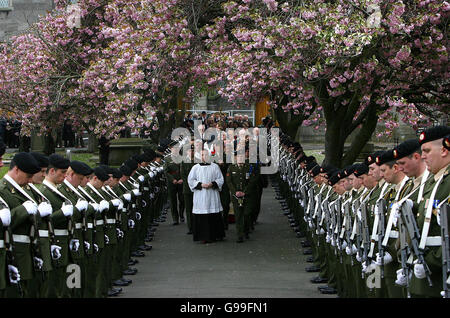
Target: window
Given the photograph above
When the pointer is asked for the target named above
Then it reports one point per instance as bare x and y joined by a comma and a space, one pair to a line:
6, 5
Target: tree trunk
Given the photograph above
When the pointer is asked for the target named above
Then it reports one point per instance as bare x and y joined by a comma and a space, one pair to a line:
289, 123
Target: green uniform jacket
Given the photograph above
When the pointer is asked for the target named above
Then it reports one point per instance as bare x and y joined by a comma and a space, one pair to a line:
433, 254
241, 179
185, 168
99, 228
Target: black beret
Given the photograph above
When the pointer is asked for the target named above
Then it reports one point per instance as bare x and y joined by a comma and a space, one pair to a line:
161, 148
327, 168
131, 163
2, 148
126, 170
385, 157
446, 142
348, 171
315, 171
41, 159
81, 168
310, 165
308, 159
159, 155
434, 133
332, 172
138, 158
406, 148
370, 159
334, 178
360, 169
151, 153
58, 162
117, 173
101, 173
146, 157
107, 169
26, 162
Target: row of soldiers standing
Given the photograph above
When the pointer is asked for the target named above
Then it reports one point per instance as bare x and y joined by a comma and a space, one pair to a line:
374, 228
68, 230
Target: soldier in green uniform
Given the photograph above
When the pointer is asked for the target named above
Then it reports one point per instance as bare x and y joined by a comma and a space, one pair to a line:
241, 180
22, 207
175, 190
436, 191
188, 195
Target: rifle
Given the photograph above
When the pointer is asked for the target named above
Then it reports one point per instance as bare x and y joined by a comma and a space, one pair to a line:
365, 233
348, 228
414, 235
444, 210
381, 207
338, 225
10, 260
404, 253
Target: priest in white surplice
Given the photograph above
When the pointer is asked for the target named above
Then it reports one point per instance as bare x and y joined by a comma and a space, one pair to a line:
206, 180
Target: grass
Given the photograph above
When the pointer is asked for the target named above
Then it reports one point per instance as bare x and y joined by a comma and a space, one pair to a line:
316, 153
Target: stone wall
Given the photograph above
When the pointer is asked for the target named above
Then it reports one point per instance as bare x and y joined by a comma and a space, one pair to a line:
23, 13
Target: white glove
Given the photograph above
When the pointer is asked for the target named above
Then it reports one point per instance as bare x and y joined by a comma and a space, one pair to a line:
82, 205
106, 239
31, 207
387, 259
138, 216
86, 245
322, 231
370, 268
95, 206
419, 270
409, 203
104, 205
328, 238
74, 245
358, 213
120, 207
45, 209
14, 276
67, 210
358, 257
333, 242
401, 278
152, 174
115, 202
141, 178
55, 251
131, 224
38, 262
136, 192
5, 216
310, 224
344, 244
95, 248
127, 197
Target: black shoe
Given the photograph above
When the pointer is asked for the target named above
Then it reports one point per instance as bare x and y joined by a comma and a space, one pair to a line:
306, 244
135, 261
128, 281
155, 224
310, 259
112, 293
240, 240
130, 271
247, 236
329, 291
312, 269
190, 232
307, 252
152, 230
120, 283
148, 240
145, 247
318, 280
175, 223
138, 254
182, 219
118, 289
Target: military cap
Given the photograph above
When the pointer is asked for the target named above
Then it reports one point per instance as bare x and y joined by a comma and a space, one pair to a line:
315, 171
58, 162
26, 162
348, 171
446, 142
406, 148
151, 153
434, 133
385, 157
107, 169
117, 173
41, 159
370, 159
308, 159
331, 172
334, 178
81, 168
360, 169
146, 157
101, 173
327, 168
138, 158
126, 170
131, 163
311, 165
